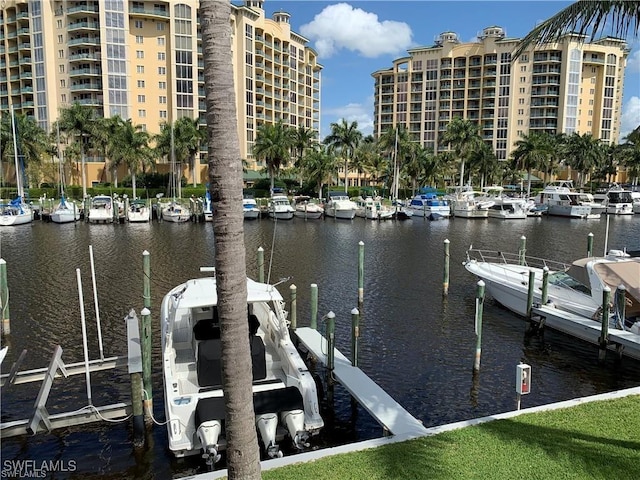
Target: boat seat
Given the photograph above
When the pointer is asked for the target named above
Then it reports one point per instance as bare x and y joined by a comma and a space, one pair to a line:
207, 328
209, 409
278, 400
209, 367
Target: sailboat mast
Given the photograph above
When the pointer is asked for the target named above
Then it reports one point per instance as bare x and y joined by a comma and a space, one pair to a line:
395, 167
15, 155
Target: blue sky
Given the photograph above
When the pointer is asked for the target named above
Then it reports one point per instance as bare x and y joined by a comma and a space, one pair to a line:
356, 38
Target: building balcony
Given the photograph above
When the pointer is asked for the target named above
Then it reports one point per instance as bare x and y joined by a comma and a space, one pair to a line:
86, 86
84, 41
82, 9
83, 56
83, 26
74, 72
148, 12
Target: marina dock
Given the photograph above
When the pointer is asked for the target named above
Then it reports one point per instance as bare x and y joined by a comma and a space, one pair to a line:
622, 342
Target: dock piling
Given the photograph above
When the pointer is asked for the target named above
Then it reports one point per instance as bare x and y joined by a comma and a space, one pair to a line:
260, 264
314, 306
445, 280
293, 291
134, 362
146, 339
331, 325
590, 244
522, 251
4, 298
621, 299
530, 291
355, 334
479, 308
545, 286
85, 348
360, 275
604, 332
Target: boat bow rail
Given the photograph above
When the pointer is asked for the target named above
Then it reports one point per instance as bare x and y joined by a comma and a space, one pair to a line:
507, 258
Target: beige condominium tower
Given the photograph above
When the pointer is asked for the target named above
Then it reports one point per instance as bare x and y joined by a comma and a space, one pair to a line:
143, 60
569, 86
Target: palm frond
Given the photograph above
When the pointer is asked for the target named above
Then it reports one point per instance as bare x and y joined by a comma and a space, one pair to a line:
582, 17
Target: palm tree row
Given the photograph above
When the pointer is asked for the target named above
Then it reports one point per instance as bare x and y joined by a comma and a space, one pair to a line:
391, 161
393, 157
118, 141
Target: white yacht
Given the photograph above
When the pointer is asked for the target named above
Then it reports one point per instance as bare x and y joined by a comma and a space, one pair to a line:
279, 207
101, 209
305, 207
372, 209
339, 205
138, 211
563, 201
284, 392
618, 201
469, 204
250, 208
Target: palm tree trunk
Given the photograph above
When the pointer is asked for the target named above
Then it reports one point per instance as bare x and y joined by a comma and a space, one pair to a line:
133, 184
225, 179
346, 173
462, 174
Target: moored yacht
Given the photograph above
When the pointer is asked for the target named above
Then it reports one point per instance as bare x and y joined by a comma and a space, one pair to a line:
284, 392
279, 207
305, 207
469, 204
618, 201
562, 201
250, 208
101, 209
339, 205
428, 204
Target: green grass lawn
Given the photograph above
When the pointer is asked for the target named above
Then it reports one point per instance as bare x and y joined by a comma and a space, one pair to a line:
597, 440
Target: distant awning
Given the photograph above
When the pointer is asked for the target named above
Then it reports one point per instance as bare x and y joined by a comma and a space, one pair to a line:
526, 176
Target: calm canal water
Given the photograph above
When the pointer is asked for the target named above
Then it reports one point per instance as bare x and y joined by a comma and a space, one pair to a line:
418, 346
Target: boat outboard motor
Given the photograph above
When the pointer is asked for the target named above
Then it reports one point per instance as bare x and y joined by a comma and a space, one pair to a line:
294, 421
208, 433
267, 425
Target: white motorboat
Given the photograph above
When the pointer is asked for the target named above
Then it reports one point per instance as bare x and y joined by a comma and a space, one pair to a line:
504, 207
101, 209
575, 288
618, 201
66, 211
284, 392
563, 201
468, 204
635, 197
279, 207
176, 213
429, 204
372, 209
16, 212
250, 208
305, 207
207, 207
338, 205
139, 211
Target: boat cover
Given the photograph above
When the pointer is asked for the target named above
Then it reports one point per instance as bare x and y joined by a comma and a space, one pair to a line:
625, 273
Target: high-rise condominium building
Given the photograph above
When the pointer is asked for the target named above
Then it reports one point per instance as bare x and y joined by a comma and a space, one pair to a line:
565, 87
143, 60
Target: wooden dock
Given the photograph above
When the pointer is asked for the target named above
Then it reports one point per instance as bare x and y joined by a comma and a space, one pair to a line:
622, 342
384, 409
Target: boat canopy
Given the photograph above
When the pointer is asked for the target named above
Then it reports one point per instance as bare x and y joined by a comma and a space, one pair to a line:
203, 292
578, 270
625, 273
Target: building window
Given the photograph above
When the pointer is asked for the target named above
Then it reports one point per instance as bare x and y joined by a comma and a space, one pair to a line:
60, 39
160, 26
60, 53
63, 83
523, 68
162, 70
59, 23
140, 83
138, 23
63, 98
139, 54
141, 99
521, 101
161, 41
520, 111
162, 56
61, 68
163, 114
139, 39
142, 113
523, 79
162, 85
162, 99
140, 68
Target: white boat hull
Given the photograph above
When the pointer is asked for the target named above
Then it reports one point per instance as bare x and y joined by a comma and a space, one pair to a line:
309, 214
251, 214
17, 219
65, 216
571, 211
144, 215
346, 214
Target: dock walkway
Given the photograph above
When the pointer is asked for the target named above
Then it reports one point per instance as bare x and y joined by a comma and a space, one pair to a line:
623, 342
384, 409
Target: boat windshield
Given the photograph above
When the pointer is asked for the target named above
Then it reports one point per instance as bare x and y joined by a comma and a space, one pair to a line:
563, 279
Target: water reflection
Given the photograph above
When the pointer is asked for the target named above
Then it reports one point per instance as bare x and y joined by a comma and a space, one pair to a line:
418, 345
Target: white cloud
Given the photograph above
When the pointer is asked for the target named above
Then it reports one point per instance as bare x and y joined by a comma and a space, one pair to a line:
633, 62
630, 116
352, 112
341, 26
